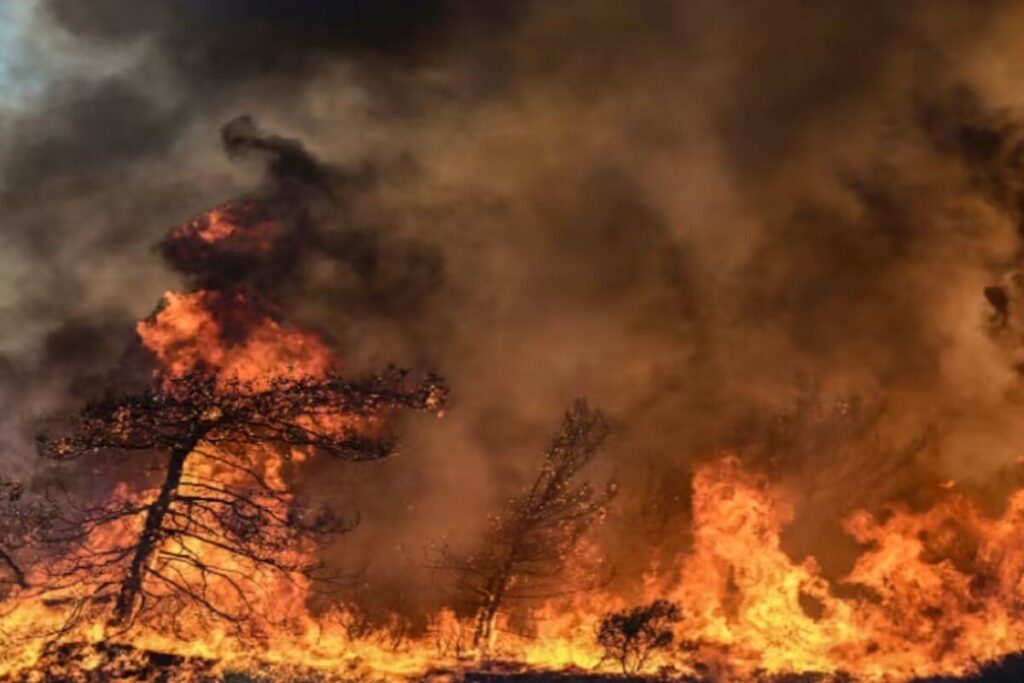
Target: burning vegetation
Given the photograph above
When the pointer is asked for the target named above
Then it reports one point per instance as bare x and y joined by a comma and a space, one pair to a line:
205, 562
550, 380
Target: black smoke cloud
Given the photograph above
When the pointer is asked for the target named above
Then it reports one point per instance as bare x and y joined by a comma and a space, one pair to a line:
228, 42
790, 229
299, 212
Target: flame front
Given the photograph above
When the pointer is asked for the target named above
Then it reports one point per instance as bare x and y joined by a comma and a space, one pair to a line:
932, 592
927, 606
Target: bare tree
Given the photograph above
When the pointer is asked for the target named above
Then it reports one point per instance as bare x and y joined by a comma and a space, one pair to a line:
530, 543
216, 518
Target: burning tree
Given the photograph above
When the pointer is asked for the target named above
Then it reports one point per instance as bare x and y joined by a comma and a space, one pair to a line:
631, 636
530, 543
220, 517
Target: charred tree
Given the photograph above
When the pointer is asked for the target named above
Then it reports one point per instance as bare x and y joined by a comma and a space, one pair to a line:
217, 514
526, 551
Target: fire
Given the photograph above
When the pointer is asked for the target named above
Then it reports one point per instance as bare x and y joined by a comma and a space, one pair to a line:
192, 331
933, 592
937, 596
236, 234
739, 587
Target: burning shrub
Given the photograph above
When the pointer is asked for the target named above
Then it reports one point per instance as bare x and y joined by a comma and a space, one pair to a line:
631, 636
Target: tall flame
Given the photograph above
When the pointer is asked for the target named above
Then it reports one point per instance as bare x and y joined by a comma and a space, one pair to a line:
932, 592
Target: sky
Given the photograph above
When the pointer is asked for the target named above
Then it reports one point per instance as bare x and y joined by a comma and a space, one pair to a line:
17, 77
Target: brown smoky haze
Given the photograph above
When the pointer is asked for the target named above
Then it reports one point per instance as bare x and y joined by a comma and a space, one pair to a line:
400, 339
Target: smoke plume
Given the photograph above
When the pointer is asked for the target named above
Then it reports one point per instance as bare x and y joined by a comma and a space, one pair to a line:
790, 230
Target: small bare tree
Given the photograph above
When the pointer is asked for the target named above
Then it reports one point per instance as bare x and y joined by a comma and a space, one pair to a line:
530, 543
204, 531
631, 636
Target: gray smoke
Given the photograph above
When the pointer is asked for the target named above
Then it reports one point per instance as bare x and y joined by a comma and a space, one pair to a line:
791, 229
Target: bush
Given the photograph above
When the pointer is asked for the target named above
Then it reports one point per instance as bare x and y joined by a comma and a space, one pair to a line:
631, 636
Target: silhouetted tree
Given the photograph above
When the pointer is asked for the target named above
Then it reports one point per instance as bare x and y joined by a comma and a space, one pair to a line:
216, 516
529, 544
631, 636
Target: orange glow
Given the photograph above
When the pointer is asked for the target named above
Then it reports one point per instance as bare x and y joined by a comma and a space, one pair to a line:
935, 594
229, 228
186, 335
932, 592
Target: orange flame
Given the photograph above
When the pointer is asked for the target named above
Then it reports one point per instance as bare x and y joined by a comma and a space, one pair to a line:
937, 595
934, 592
186, 335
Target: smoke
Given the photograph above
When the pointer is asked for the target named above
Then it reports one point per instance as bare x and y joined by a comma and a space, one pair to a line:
791, 229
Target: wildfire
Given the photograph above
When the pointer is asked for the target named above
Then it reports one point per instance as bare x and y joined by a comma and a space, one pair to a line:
939, 597
932, 592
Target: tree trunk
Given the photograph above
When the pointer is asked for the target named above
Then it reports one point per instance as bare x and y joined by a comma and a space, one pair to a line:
19, 575
483, 634
497, 587
485, 619
150, 538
